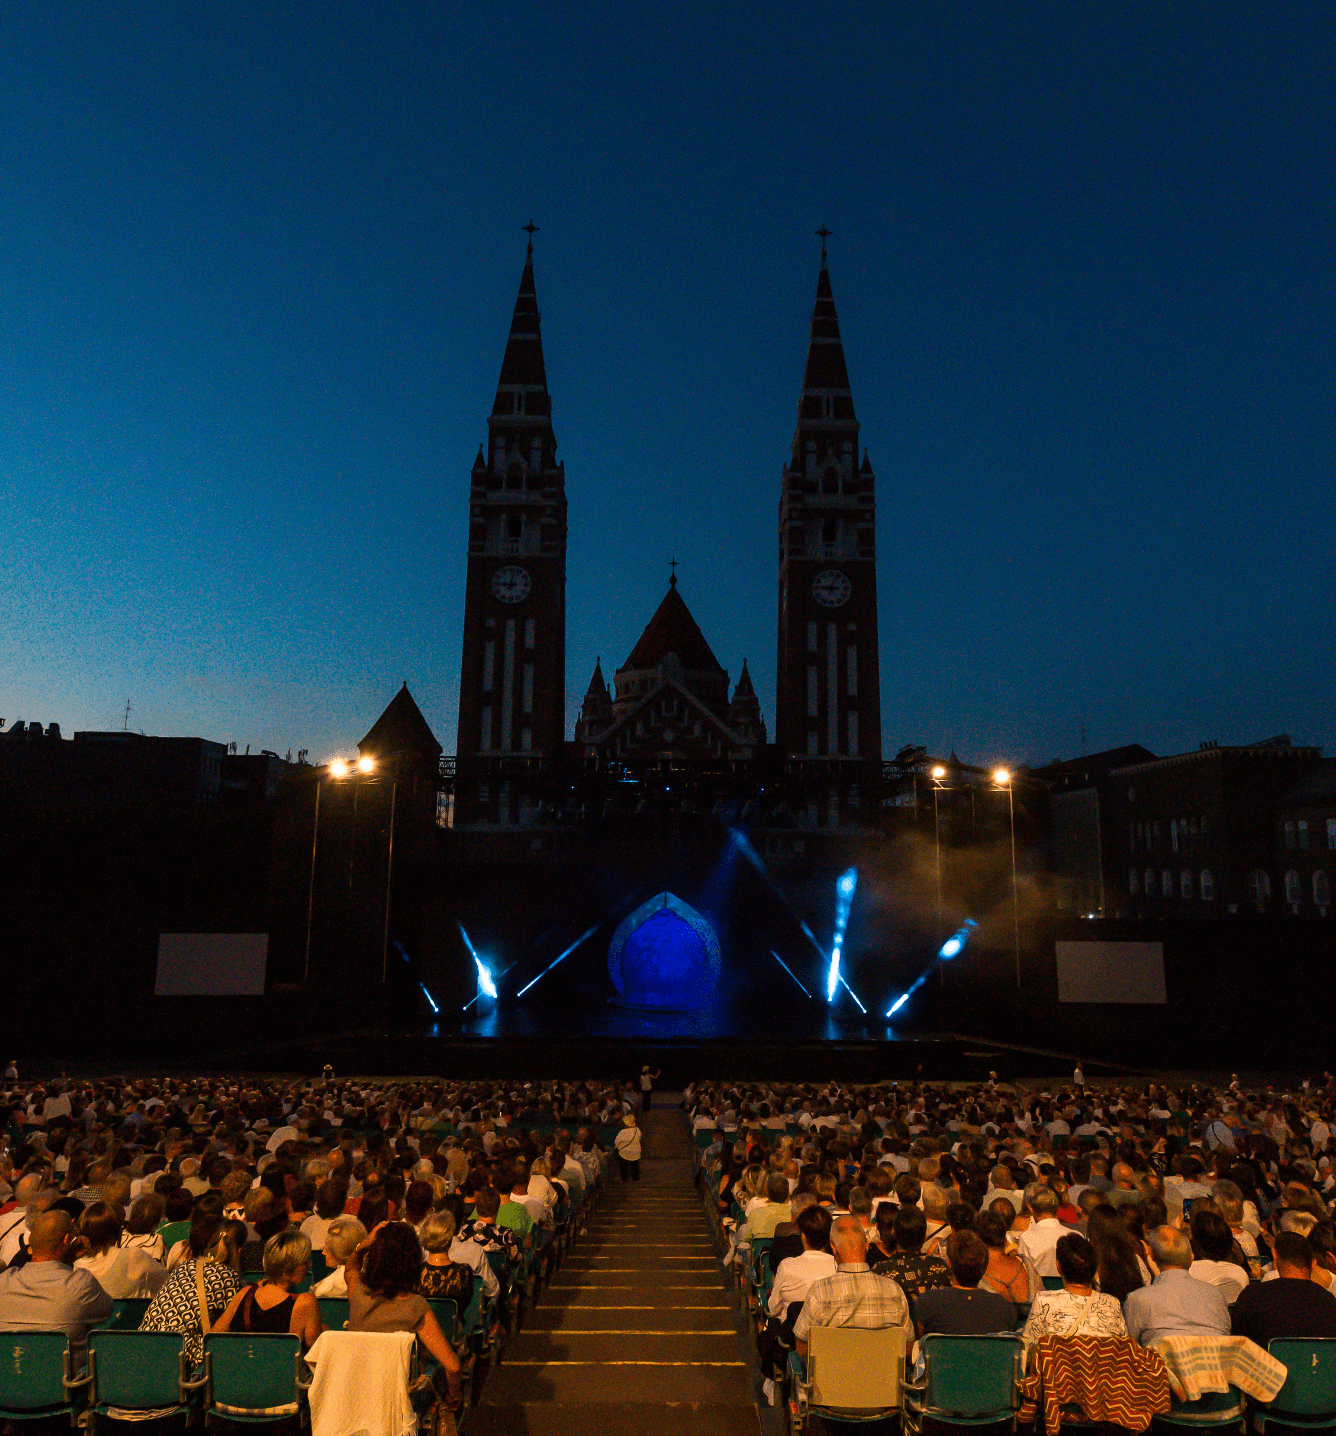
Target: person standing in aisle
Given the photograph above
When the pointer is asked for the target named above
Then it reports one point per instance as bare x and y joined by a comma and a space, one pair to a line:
628, 1148
647, 1081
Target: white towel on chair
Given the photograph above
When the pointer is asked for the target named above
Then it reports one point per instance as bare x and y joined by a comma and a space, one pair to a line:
360, 1386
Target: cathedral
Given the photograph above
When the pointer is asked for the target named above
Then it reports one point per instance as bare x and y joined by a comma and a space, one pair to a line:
670, 728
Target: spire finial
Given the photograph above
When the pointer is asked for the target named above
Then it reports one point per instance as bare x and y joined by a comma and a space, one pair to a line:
672, 577
825, 235
530, 229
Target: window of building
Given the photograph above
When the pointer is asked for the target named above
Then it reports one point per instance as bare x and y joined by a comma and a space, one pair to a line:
851, 655
830, 532
1173, 834
526, 696
530, 633
1331, 835
1186, 885
488, 665
811, 638
1150, 882
1259, 886
514, 527
526, 740
1207, 886
1289, 836
1133, 881
812, 690
485, 743
1167, 883
1294, 889
515, 477
853, 735
830, 484
811, 744
1321, 889
1303, 835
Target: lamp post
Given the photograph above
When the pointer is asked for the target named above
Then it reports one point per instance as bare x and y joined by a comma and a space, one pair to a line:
938, 773
1003, 779
337, 770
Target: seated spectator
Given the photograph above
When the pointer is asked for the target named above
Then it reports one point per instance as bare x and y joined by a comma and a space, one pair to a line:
1229, 1198
908, 1266
794, 1275
342, 1237
418, 1202
1078, 1309
935, 1203
484, 1231
1175, 1303
1001, 1184
212, 1262
44, 1294
1007, 1275
1292, 1305
1038, 1243
442, 1275
1213, 1254
765, 1218
266, 1216
120, 1271
271, 1304
854, 1295
330, 1198
964, 1308
881, 1246
513, 1214
383, 1275
1121, 1267
141, 1227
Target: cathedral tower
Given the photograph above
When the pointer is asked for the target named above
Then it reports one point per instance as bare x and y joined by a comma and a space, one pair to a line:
512, 692
828, 703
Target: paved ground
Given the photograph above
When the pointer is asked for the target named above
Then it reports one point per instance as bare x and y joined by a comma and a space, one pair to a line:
637, 1332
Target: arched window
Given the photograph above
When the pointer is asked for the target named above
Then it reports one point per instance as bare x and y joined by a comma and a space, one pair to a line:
1294, 888
1207, 886
1133, 881
1259, 886
1321, 889
830, 481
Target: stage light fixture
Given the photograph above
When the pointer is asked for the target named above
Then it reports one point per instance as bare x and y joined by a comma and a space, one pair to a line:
790, 971
588, 933
844, 891
955, 944
431, 1001
485, 981
898, 1004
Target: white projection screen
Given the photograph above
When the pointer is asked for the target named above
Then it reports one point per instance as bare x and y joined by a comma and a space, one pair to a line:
211, 964
1111, 972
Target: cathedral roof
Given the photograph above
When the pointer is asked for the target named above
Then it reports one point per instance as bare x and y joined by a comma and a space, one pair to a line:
673, 630
401, 728
597, 684
825, 350
744, 688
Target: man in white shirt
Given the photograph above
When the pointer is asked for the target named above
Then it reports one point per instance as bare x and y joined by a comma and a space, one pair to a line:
795, 1274
1039, 1241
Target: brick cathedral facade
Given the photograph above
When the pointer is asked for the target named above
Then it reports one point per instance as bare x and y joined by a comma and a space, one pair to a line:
670, 730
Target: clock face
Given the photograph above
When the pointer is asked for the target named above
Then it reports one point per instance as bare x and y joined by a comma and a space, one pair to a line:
831, 588
511, 584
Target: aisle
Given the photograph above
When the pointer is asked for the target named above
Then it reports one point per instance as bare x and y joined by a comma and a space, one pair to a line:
637, 1321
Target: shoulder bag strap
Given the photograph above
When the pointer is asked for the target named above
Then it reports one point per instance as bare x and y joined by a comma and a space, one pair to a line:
201, 1297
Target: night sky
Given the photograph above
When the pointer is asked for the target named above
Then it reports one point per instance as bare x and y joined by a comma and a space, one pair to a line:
257, 263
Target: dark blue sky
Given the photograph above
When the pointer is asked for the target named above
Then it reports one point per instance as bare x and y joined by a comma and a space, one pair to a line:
256, 269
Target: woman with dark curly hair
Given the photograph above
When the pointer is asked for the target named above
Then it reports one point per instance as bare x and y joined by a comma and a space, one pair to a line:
383, 1274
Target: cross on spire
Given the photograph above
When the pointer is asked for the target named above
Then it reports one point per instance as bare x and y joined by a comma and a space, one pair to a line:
825, 235
672, 578
531, 229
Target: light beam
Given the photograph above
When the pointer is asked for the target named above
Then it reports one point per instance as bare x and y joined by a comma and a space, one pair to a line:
790, 972
588, 933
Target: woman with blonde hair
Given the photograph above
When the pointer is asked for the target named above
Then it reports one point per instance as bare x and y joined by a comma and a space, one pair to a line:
272, 1304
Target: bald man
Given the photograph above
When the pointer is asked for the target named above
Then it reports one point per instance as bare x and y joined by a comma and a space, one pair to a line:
45, 1294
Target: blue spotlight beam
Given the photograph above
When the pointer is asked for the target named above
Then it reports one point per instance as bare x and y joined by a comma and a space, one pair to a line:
584, 936
844, 900
952, 947
853, 994
791, 973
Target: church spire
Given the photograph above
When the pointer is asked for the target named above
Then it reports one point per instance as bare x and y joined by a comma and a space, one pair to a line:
522, 400
826, 406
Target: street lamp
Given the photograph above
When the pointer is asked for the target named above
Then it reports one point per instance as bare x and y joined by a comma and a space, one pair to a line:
938, 773
1003, 779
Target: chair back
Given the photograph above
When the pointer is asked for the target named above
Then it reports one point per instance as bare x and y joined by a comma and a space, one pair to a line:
855, 1370
171, 1233
249, 1372
137, 1370
446, 1311
972, 1375
1310, 1386
32, 1371
127, 1312
333, 1312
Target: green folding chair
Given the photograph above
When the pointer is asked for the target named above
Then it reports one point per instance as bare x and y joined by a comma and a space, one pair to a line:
966, 1381
37, 1377
171, 1233
1220, 1409
144, 1372
126, 1314
1308, 1397
253, 1378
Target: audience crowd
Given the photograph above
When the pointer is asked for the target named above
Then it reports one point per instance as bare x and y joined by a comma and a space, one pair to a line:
219, 1201
1131, 1211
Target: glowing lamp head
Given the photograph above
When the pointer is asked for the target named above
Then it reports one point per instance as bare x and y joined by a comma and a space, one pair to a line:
848, 882
898, 1004
338, 769
366, 764
951, 947
486, 983
1002, 776
939, 772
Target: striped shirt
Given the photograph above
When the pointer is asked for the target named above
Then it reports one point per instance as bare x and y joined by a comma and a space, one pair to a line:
853, 1296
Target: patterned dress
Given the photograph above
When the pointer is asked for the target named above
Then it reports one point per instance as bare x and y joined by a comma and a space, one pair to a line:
176, 1306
